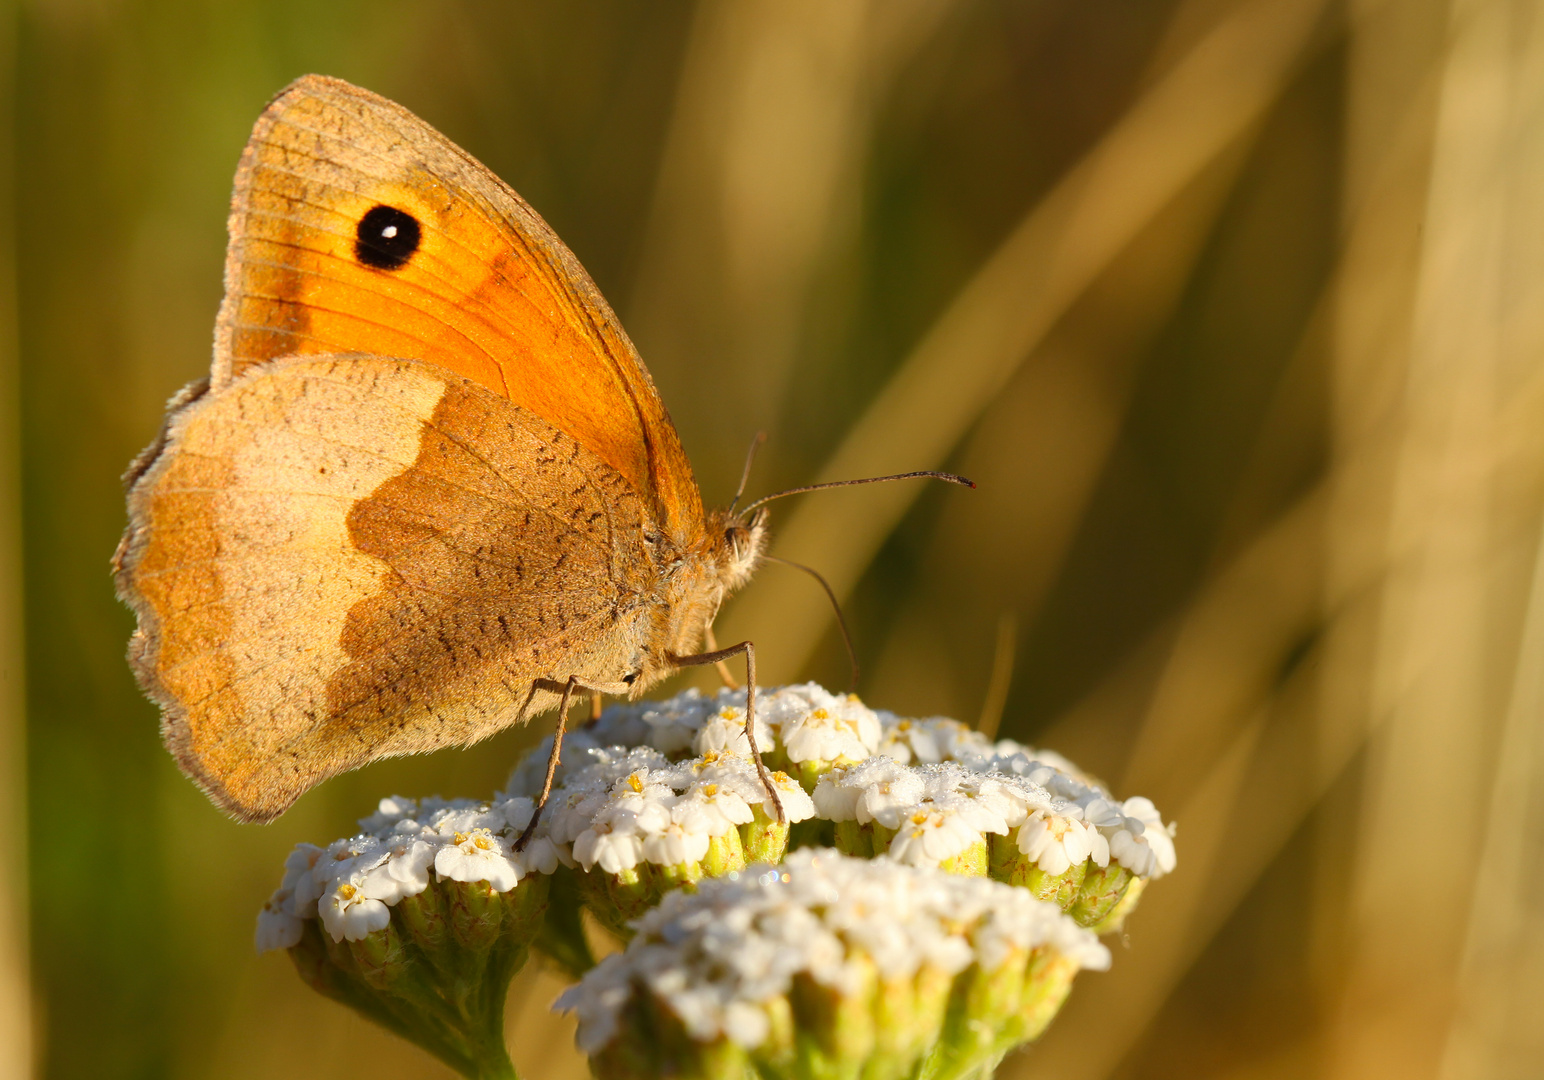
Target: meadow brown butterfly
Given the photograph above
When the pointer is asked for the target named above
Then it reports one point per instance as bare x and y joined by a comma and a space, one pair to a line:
428, 489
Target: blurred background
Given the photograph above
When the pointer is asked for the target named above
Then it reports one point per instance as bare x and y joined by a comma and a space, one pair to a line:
1234, 309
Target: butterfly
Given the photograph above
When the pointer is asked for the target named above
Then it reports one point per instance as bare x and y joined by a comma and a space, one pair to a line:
428, 489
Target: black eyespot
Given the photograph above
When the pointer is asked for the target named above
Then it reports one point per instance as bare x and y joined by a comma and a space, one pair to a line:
630, 678
386, 238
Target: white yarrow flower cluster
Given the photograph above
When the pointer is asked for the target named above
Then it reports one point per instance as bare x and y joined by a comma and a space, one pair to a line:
352, 884
794, 725
743, 959
929, 814
720, 959
626, 807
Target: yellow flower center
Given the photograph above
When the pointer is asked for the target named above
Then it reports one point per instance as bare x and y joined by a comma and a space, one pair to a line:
635, 783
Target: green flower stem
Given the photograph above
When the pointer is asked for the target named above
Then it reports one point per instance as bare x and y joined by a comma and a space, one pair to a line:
910, 1012
930, 1026
562, 940
654, 1044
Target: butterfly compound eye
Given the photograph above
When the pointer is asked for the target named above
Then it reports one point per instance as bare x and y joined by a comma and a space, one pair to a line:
386, 237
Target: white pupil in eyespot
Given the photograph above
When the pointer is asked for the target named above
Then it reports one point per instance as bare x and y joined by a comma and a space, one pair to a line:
389, 232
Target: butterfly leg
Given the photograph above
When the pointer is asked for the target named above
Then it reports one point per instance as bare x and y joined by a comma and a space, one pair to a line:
594, 707
566, 688
718, 656
723, 668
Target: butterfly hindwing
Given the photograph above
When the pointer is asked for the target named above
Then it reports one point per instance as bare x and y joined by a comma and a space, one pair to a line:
336, 559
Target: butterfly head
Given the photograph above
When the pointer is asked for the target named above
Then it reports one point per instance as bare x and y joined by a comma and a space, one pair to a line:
744, 538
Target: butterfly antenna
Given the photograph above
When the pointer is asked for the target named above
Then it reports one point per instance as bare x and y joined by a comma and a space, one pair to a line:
948, 477
852, 654
745, 474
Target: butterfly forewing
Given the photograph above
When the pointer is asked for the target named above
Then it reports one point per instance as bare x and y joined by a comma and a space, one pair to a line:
356, 227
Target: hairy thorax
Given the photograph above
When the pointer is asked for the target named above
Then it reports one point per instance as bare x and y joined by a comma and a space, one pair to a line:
695, 580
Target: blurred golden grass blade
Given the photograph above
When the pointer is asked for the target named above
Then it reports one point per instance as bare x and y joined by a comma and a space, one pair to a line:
1394, 68
1206, 102
1001, 679
1447, 631
1501, 987
1094, 731
1217, 698
757, 187
15, 980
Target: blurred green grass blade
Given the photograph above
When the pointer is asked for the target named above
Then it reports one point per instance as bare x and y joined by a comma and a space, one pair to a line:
15, 979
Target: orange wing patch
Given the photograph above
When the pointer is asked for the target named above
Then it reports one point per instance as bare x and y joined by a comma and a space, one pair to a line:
356, 227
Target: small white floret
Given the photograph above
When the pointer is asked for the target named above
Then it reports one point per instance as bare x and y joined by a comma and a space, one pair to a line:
1055, 843
404, 873
278, 927
608, 848
929, 838
347, 913
723, 732
479, 855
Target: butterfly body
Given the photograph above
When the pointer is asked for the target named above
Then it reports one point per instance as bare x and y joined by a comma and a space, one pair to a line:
427, 482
